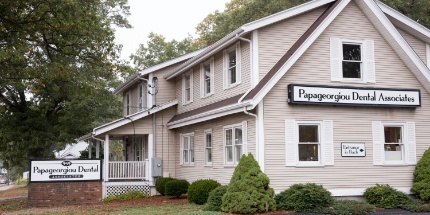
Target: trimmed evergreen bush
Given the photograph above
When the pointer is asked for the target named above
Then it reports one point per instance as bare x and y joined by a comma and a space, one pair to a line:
176, 187
421, 186
385, 196
198, 191
215, 199
348, 207
248, 191
307, 197
160, 184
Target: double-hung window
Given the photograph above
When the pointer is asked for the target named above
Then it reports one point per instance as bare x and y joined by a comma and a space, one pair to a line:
207, 78
187, 149
309, 143
127, 104
393, 143
208, 147
233, 143
187, 87
142, 102
232, 66
352, 60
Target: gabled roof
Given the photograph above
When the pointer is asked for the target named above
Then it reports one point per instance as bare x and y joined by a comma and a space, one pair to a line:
244, 29
131, 118
135, 78
375, 16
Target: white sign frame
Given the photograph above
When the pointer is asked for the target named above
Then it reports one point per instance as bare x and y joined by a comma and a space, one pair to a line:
353, 149
65, 170
353, 96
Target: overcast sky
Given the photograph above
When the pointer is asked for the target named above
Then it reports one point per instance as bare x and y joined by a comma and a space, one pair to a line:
174, 19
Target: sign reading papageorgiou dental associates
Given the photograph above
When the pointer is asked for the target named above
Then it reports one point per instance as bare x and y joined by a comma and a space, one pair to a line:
353, 96
65, 170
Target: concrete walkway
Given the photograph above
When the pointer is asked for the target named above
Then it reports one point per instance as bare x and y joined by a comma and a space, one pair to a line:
378, 212
5, 187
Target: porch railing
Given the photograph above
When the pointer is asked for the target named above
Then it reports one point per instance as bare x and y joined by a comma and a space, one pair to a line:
128, 170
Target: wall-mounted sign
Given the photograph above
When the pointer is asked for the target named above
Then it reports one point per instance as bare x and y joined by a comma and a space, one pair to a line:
356, 96
353, 150
65, 170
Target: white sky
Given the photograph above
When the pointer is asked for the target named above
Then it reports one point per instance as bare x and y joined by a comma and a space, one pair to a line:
174, 19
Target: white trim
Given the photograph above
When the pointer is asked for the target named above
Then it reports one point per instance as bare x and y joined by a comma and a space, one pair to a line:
320, 144
123, 121
428, 54
255, 75
260, 136
213, 114
193, 148
226, 59
128, 103
205, 132
297, 54
233, 127
360, 191
402, 143
190, 74
149, 100
203, 93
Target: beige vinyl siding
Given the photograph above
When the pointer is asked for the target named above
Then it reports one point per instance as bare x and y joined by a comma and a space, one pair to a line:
274, 40
141, 126
219, 92
217, 171
417, 45
166, 89
350, 124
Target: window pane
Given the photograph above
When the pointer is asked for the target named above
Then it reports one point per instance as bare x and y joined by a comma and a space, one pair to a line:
187, 81
393, 134
232, 75
228, 137
308, 152
185, 154
238, 136
191, 155
187, 94
308, 134
393, 152
229, 153
351, 69
232, 59
208, 86
352, 52
209, 155
208, 140
238, 149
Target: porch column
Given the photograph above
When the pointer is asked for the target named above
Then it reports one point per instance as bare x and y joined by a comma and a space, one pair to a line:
106, 158
150, 156
90, 148
97, 149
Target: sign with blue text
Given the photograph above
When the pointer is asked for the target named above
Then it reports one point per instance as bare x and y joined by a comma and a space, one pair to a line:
353, 96
65, 170
353, 150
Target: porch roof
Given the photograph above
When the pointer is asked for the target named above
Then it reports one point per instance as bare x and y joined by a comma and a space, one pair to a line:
131, 118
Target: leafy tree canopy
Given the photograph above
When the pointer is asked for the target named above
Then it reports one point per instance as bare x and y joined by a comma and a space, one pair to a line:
57, 63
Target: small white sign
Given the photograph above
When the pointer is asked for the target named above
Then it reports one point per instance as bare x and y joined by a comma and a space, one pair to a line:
65, 170
353, 150
299, 94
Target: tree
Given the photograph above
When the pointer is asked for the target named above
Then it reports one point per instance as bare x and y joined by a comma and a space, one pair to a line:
416, 10
158, 50
57, 63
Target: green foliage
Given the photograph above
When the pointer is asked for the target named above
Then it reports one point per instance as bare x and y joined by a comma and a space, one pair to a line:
215, 199
348, 207
421, 186
199, 190
58, 61
126, 196
248, 191
416, 10
176, 187
385, 196
160, 184
307, 197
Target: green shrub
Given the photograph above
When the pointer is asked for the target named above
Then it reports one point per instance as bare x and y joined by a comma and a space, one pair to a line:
348, 207
176, 187
215, 199
126, 196
421, 186
248, 191
385, 196
198, 191
160, 184
307, 197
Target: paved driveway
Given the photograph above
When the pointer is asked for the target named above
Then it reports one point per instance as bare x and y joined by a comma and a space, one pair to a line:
5, 187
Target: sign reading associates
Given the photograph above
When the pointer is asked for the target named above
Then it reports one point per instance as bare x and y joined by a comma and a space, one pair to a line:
313, 94
65, 170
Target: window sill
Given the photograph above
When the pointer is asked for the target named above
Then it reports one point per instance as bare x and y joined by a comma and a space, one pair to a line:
207, 95
301, 165
230, 165
208, 165
396, 164
354, 81
187, 165
187, 103
231, 86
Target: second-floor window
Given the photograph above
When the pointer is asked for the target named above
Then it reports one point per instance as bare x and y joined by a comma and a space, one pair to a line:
207, 78
232, 66
127, 103
142, 97
187, 87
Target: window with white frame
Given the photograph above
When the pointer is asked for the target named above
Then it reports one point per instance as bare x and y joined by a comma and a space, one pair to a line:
127, 103
234, 140
393, 143
142, 97
208, 147
309, 143
207, 78
232, 66
352, 60
187, 87
187, 149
